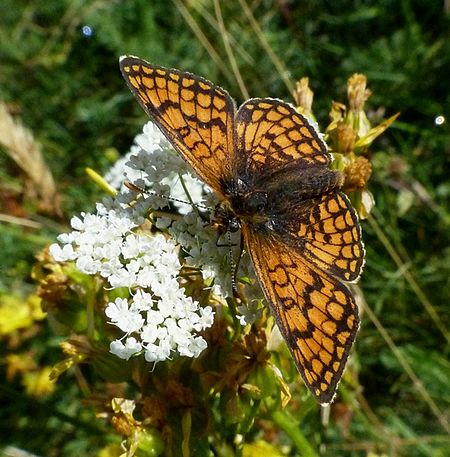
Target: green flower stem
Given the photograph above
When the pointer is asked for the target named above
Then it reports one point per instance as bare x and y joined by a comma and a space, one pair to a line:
290, 426
250, 417
91, 297
186, 426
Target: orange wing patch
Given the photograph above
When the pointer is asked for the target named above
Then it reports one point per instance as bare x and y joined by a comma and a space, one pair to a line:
195, 115
316, 314
273, 134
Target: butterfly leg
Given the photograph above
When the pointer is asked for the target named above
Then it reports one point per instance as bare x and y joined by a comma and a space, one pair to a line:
235, 267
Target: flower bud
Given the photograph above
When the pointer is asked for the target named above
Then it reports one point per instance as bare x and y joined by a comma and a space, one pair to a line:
357, 174
357, 92
346, 138
303, 97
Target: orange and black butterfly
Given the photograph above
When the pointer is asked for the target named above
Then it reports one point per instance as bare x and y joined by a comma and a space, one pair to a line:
269, 167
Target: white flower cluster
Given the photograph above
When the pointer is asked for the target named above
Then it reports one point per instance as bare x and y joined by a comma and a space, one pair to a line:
152, 164
159, 319
170, 325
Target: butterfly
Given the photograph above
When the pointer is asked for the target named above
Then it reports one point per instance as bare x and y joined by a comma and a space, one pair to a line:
270, 170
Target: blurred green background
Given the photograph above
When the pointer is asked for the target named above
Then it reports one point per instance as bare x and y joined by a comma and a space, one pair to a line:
59, 76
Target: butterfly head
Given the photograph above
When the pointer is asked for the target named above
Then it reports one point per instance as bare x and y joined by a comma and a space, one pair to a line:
224, 219
242, 204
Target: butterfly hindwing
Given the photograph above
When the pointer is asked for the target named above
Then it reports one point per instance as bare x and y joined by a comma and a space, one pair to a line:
326, 231
315, 313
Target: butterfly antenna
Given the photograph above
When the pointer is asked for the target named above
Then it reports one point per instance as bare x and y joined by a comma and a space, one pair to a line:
141, 190
188, 195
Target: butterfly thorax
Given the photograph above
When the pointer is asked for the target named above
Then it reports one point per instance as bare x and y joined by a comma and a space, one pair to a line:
262, 203
242, 204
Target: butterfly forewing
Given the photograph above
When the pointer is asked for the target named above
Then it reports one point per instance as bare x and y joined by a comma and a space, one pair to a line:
196, 116
303, 237
273, 135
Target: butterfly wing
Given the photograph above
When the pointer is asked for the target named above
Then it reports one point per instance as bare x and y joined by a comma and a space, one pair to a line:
326, 230
195, 115
273, 134
315, 313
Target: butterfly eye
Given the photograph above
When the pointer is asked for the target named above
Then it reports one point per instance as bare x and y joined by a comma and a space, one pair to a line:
234, 225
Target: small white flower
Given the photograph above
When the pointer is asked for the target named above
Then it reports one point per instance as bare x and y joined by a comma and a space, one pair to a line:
143, 301
122, 278
149, 333
77, 223
185, 351
154, 317
115, 309
125, 351
206, 317
123, 317
146, 276
111, 266
131, 247
197, 346
249, 313
86, 264
157, 353
62, 254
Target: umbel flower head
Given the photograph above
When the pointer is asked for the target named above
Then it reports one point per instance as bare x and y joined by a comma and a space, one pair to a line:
154, 315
